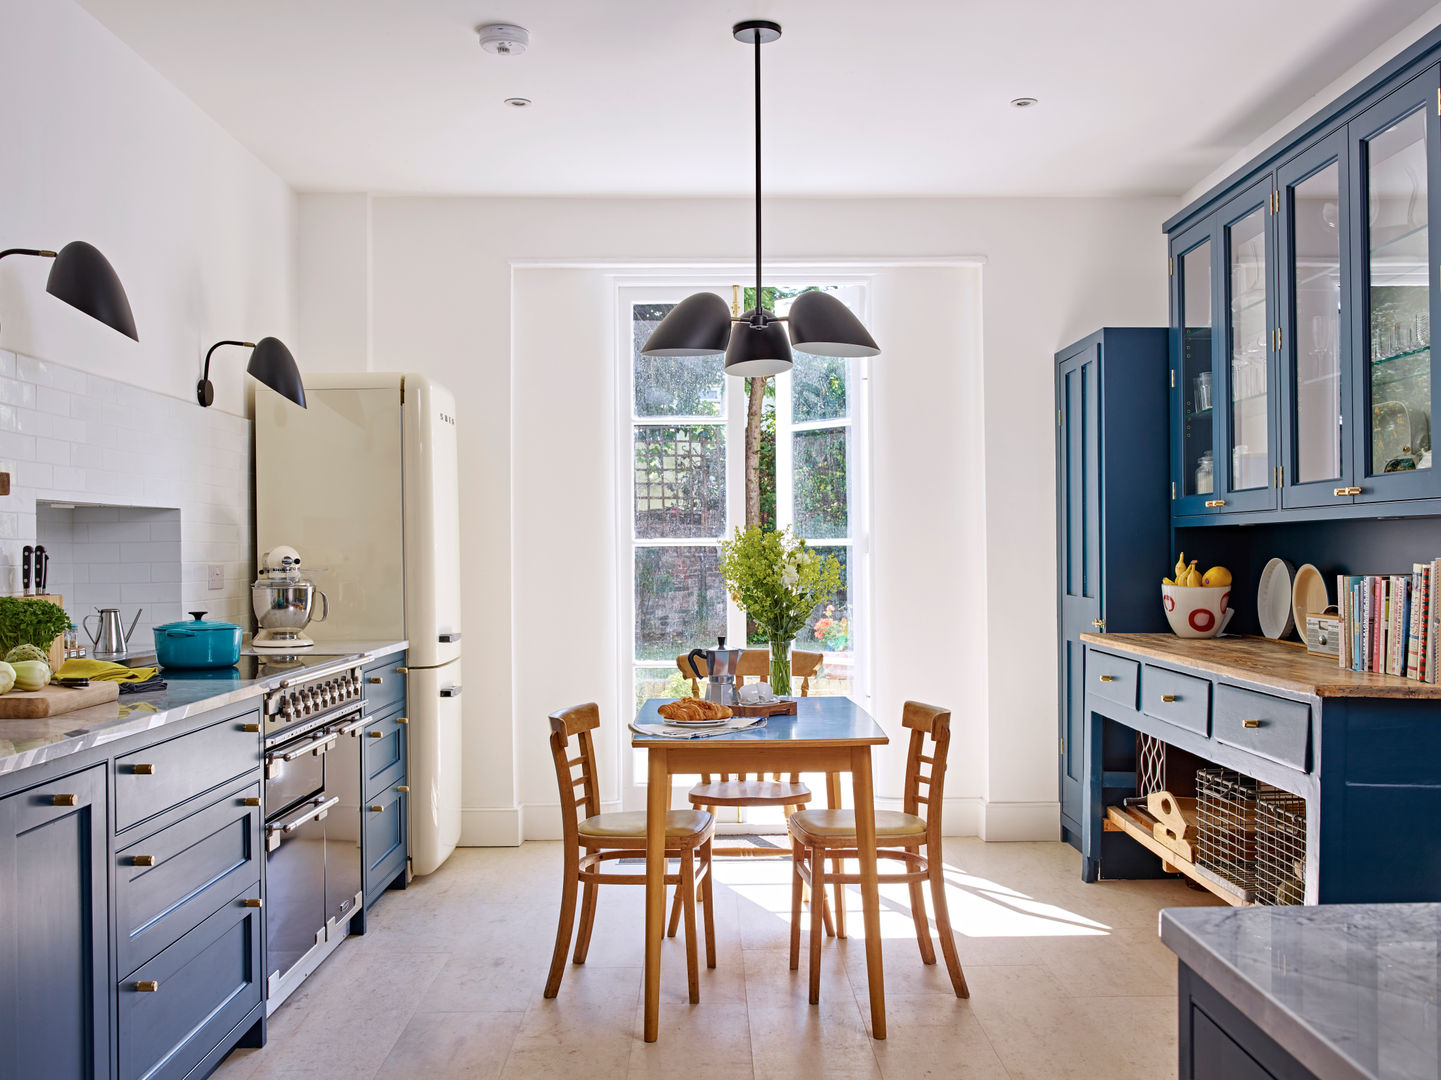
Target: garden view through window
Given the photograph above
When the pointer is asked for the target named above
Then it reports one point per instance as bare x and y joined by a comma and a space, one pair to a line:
688, 428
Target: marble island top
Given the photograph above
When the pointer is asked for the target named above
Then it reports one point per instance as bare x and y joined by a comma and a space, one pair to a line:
1349, 990
25, 743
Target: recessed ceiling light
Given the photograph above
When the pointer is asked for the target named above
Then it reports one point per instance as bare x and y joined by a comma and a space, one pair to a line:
1023, 102
518, 102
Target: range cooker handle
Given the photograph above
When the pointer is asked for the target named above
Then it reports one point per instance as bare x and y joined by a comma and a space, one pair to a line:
355, 725
334, 669
314, 746
320, 806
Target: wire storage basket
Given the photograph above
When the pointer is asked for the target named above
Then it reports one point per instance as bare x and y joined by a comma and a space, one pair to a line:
1280, 847
1226, 829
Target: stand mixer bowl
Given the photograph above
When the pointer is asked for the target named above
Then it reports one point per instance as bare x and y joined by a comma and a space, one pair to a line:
284, 601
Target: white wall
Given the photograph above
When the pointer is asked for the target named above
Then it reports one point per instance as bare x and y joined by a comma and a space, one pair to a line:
440, 300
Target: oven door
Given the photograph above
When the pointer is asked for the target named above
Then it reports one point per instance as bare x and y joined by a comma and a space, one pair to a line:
343, 864
295, 771
295, 884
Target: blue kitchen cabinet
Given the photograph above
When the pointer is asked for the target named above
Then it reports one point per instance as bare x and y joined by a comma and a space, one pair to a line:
54, 931
1111, 497
385, 835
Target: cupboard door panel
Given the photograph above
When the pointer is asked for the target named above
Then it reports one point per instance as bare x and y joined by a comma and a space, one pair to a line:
1193, 370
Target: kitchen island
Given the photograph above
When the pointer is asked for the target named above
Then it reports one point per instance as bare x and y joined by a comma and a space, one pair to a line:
1339, 992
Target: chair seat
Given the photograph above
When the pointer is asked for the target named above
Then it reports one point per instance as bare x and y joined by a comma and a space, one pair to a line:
750, 793
630, 825
840, 824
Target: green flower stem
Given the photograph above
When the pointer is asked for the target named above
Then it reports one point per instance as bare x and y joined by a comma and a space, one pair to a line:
780, 667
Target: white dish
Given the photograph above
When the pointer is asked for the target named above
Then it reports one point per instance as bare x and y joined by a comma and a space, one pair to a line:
697, 723
1273, 599
1308, 595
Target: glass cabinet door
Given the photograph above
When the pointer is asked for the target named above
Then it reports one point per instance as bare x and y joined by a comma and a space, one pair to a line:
1193, 371
1313, 245
1394, 151
1250, 343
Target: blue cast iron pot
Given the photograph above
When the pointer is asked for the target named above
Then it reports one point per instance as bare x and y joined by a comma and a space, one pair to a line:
200, 643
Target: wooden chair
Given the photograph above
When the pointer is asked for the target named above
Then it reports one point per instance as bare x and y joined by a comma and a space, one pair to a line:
820, 834
756, 664
591, 838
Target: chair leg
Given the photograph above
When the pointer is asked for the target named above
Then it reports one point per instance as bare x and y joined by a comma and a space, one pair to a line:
798, 853
833, 799
708, 899
923, 926
943, 926
687, 892
587, 921
674, 914
566, 924
818, 889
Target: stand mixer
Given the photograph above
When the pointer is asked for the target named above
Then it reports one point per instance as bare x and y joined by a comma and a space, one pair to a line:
284, 600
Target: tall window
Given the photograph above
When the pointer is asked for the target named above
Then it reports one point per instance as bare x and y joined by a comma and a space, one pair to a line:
684, 423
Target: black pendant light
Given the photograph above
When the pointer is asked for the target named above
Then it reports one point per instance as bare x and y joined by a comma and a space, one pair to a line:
84, 279
756, 344
270, 362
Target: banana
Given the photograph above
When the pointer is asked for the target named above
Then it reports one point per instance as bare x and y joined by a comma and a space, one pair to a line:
1180, 567
1193, 576
1167, 581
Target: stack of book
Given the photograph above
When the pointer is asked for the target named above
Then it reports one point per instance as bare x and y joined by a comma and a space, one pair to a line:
1391, 622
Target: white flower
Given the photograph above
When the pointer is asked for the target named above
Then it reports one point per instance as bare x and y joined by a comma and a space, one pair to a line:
790, 575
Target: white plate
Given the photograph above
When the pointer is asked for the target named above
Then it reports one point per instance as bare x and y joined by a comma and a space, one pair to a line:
1308, 596
697, 723
1273, 599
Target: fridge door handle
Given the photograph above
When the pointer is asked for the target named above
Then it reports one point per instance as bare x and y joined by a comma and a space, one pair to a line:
450, 691
448, 639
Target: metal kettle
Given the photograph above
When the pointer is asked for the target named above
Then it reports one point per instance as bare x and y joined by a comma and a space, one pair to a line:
720, 671
110, 636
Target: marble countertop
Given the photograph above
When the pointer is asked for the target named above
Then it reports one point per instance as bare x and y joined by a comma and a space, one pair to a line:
1349, 990
25, 743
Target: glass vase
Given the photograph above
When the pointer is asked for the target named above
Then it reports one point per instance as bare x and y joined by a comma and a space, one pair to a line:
780, 667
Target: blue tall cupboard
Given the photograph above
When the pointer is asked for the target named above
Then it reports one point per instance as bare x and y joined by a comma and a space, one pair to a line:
1112, 517
54, 931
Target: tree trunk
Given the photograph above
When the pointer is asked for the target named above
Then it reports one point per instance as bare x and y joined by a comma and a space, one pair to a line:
755, 405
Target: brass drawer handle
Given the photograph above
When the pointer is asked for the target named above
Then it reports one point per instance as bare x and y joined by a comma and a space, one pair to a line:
252, 901
147, 986
143, 770
402, 720
376, 680
250, 800
376, 734
401, 670
1215, 502
404, 789
1168, 697
252, 728
376, 809
1251, 723
142, 860
1108, 678
63, 800
1343, 492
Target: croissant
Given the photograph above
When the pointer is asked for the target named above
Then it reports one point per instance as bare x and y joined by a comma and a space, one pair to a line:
691, 710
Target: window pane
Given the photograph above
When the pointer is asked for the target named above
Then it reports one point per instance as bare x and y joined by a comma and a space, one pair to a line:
819, 479
680, 602
818, 387
680, 481
653, 682
1316, 277
1249, 352
672, 385
830, 630
1197, 468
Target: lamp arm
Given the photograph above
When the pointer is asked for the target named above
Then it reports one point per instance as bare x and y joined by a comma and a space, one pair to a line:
242, 344
43, 253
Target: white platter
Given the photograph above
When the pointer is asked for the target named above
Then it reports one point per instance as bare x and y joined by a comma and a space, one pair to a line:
1273, 599
1308, 595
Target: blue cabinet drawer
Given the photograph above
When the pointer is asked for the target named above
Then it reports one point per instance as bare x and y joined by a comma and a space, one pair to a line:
1270, 727
1114, 678
153, 780
169, 882
385, 846
174, 1010
1183, 700
383, 752
384, 683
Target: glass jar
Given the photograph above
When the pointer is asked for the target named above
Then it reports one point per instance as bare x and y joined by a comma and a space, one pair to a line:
1205, 474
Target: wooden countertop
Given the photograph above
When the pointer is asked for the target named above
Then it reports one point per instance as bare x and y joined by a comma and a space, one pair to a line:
1284, 665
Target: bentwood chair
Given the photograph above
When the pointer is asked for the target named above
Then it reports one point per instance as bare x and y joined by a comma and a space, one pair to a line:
592, 838
900, 835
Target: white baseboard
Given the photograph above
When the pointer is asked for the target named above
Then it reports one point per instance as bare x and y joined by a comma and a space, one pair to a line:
542, 821
1020, 821
490, 826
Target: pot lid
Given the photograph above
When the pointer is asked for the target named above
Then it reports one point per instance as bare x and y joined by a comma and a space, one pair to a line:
198, 621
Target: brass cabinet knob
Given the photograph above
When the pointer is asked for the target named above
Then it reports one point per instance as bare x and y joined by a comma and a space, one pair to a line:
252, 901
376, 809
250, 727
1168, 697
401, 670
250, 800
1099, 624
147, 986
63, 800
1215, 502
1108, 678
376, 734
376, 680
1251, 723
142, 860
143, 770
1342, 492
404, 789
402, 720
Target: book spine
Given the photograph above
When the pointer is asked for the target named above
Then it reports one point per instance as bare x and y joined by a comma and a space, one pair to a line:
1423, 624
1413, 610
1368, 600
1400, 613
1343, 602
1434, 631
1378, 622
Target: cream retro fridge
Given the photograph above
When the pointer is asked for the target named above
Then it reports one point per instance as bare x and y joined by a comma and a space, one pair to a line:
364, 484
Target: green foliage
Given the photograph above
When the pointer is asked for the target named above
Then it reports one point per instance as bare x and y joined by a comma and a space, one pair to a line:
26, 652
776, 579
32, 622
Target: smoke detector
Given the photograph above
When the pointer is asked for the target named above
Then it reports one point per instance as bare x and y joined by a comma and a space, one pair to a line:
503, 39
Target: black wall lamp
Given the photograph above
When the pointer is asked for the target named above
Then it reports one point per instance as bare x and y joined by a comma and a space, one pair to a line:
755, 344
270, 362
84, 279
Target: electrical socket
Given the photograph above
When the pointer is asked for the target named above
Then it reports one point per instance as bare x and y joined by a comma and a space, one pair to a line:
215, 577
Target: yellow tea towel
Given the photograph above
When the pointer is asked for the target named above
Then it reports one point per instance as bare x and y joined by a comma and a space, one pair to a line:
103, 671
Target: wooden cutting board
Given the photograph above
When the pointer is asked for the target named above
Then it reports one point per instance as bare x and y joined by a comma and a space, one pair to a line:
783, 707
53, 700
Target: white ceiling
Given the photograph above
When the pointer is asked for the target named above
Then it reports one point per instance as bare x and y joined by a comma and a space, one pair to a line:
653, 97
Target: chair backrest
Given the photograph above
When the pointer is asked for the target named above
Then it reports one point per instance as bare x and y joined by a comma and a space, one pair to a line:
927, 723
579, 794
756, 664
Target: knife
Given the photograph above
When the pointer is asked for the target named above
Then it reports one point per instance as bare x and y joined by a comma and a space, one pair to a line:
26, 554
42, 569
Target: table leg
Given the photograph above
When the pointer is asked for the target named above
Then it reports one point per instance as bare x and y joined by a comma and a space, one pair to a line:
838, 866
870, 886
657, 803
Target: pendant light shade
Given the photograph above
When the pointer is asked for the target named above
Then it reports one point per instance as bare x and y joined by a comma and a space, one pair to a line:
699, 325
823, 326
757, 351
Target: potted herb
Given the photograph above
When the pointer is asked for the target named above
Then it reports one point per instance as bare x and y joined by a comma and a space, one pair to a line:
30, 622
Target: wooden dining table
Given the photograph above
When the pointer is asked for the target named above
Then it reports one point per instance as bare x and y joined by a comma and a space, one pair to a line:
827, 734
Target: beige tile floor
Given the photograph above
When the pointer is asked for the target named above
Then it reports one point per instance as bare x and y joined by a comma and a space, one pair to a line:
1067, 980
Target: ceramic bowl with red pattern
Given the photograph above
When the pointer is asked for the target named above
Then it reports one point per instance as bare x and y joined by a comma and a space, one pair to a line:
1197, 611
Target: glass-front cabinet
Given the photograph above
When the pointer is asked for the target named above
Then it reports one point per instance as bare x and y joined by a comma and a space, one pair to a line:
1193, 370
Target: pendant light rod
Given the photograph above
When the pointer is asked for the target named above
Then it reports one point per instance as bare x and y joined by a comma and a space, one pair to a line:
760, 307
